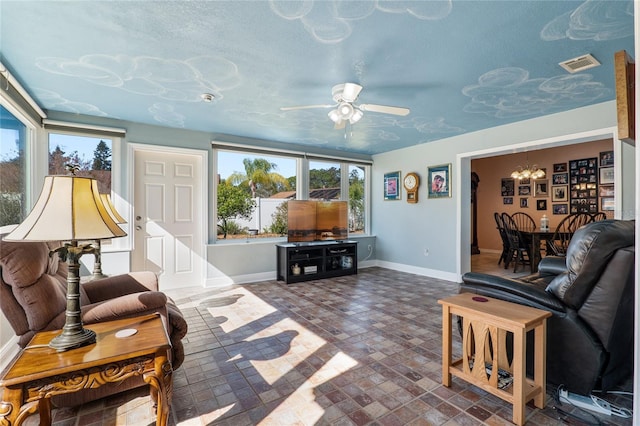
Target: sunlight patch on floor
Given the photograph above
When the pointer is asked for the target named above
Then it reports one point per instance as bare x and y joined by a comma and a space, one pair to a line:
301, 403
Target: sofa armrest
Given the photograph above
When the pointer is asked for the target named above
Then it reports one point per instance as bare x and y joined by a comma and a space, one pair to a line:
552, 265
510, 290
130, 305
120, 285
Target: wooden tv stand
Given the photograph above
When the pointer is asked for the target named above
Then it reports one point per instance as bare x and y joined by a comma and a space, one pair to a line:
316, 260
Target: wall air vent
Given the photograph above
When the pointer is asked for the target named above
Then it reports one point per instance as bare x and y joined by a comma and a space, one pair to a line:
580, 63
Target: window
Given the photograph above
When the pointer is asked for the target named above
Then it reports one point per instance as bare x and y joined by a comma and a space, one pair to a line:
253, 188
324, 180
13, 169
92, 154
252, 193
357, 198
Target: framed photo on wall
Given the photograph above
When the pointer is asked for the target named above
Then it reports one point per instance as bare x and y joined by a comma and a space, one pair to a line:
560, 178
606, 159
507, 200
541, 204
606, 175
606, 191
541, 188
607, 204
439, 181
560, 209
524, 203
559, 193
507, 187
392, 186
524, 190
559, 167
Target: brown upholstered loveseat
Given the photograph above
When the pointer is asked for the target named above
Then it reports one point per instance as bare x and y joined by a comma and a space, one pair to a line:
33, 298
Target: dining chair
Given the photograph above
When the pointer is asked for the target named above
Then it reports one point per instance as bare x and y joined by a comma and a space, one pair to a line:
518, 246
564, 231
505, 240
524, 221
597, 217
580, 219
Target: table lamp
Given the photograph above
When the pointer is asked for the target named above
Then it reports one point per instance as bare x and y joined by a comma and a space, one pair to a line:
97, 253
69, 209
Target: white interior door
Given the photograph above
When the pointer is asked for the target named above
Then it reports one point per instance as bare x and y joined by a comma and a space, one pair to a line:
169, 227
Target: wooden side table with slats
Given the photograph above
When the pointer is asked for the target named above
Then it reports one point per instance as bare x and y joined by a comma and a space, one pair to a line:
39, 372
485, 325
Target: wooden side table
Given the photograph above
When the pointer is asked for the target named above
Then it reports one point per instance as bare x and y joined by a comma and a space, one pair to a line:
486, 322
39, 372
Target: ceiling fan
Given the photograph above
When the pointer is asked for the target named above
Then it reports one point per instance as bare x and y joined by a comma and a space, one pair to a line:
346, 110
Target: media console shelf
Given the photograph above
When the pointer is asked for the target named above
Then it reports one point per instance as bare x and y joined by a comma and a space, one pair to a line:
315, 260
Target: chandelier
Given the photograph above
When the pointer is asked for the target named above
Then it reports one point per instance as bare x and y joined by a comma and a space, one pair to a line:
527, 172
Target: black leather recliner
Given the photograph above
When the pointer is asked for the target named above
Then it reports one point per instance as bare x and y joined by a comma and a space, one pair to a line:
590, 293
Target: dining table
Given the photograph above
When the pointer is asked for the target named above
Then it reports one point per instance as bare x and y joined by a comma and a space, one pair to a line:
534, 238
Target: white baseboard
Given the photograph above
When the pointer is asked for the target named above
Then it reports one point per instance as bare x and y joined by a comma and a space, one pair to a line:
432, 273
8, 352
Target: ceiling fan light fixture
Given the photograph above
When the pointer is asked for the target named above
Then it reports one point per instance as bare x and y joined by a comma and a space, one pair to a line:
345, 110
334, 115
356, 116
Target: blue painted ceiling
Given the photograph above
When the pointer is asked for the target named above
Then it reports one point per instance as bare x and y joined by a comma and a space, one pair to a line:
460, 66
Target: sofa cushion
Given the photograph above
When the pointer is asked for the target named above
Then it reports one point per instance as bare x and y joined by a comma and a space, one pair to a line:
587, 255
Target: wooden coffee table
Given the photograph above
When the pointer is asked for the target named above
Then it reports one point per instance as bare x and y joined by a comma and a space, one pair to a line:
39, 372
485, 324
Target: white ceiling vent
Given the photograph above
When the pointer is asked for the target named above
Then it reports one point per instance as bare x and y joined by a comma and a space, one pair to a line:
580, 63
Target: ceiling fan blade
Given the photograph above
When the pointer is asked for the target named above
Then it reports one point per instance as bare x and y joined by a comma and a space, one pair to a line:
305, 107
340, 124
351, 91
385, 109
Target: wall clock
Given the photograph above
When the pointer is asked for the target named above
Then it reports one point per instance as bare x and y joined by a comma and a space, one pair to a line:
411, 183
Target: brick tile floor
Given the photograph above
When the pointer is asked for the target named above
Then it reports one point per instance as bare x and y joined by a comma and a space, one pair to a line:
357, 350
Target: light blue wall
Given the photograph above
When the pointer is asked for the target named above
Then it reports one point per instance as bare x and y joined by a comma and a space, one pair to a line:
404, 231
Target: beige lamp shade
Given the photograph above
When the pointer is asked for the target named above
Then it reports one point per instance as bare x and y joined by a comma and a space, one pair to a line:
106, 200
69, 208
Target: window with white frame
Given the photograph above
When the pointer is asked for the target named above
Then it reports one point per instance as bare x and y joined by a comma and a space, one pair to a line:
253, 188
91, 154
252, 194
13, 168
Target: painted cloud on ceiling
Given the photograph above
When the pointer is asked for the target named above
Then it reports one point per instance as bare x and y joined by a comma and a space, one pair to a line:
592, 20
510, 92
328, 21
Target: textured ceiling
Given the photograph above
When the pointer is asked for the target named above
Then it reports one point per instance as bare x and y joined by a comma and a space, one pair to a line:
460, 66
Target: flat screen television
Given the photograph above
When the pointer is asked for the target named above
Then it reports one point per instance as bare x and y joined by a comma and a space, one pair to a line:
317, 220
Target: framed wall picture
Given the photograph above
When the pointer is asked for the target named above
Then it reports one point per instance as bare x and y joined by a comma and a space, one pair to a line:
541, 204
559, 167
606, 159
541, 188
583, 179
560, 209
560, 179
507, 200
439, 181
392, 186
606, 191
606, 175
524, 190
524, 203
507, 187
559, 193
607, 204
